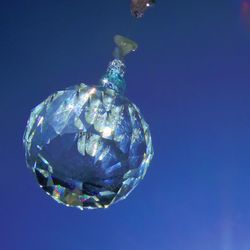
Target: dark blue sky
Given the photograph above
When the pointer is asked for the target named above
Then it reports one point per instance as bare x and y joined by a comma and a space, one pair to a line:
190, 78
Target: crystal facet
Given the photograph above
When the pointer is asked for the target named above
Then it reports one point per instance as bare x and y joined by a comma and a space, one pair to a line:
89, 147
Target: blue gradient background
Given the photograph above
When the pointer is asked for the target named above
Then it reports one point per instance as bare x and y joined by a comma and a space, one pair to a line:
190, 78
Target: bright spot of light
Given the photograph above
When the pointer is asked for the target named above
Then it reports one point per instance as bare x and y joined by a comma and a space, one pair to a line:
105, 80
70, 107
107, 131
40, 120
92, 91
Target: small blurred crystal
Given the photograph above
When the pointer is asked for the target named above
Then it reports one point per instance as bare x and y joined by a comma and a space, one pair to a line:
138, 7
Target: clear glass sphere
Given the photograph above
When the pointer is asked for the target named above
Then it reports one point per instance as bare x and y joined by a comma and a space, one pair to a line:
89, 147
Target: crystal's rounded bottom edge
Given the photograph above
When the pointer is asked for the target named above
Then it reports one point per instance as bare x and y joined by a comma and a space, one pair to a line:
65, 195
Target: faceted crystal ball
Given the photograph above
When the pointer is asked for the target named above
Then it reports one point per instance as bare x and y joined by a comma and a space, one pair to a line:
88, 147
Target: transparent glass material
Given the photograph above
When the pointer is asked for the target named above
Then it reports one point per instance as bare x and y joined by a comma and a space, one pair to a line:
88, 146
